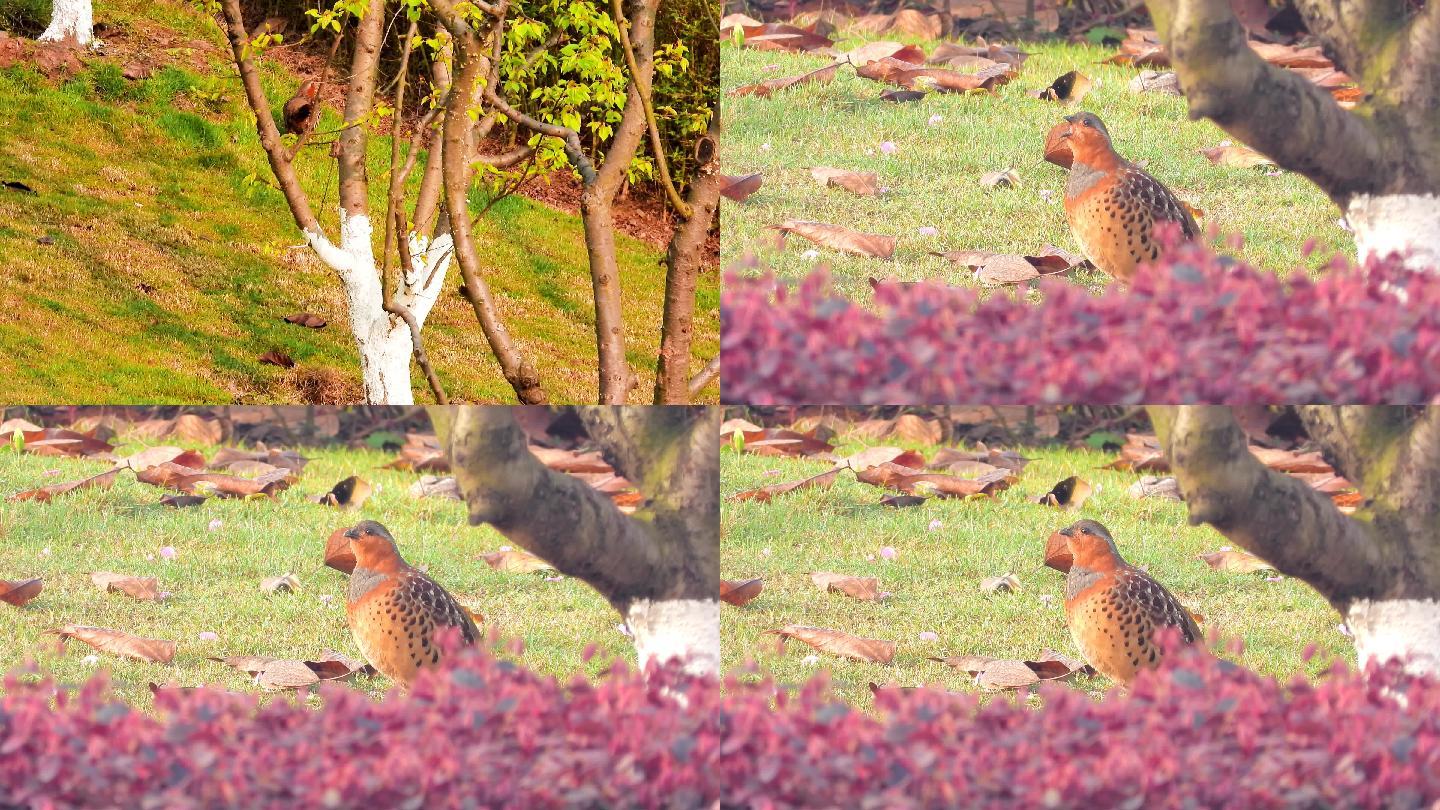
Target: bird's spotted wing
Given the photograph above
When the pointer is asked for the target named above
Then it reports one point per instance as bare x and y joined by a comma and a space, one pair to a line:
1155, 200
438, 607
1158, 606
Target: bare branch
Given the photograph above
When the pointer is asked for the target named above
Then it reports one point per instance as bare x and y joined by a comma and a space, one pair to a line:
396, 308
684, 262
706, 376
642, 85
1271, 514
359, 99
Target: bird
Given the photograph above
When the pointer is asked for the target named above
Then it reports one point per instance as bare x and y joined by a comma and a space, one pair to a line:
301, 111
1112, 204
1113, 608
395, 609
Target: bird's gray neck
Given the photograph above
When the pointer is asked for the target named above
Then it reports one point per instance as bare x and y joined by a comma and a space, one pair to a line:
1082, 178
1076, 581
363, 580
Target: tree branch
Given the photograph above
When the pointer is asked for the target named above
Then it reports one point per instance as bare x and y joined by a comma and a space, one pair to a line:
1271, 514
1273, 110
684, 261
642, 85
394, 307
706, 375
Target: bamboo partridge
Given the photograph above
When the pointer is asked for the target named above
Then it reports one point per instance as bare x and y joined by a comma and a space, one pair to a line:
395, 609
1113, 608
1112, 204
302, 110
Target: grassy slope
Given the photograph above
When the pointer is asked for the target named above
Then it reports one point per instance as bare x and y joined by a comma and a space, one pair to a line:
935, 575
933, 175
144, 184
215, 574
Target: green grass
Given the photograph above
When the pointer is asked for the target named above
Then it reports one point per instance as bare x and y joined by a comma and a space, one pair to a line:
934, 174
215, 575
175, 262
935, 576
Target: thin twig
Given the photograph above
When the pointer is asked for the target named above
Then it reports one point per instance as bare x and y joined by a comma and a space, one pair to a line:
643, 89
705, 377
396, 308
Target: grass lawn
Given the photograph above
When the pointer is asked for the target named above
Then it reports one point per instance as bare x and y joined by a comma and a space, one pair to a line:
944, 548
174, 262
224, 548
933, 174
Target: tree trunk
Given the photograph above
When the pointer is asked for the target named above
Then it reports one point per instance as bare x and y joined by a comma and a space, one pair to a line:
1380, 567
1379, 162
659, 567
70, 20
684, 262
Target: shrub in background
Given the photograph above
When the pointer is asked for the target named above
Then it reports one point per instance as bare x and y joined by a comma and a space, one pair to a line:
1198, 733
25, 18
478, 732
1196, 328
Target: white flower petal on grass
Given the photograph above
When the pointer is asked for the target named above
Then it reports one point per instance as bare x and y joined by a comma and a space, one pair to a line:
935, 525
766, 552
810, 660
928, 636
167, 552
207, 635
90, 660
764, 147
888, 552
215, 525
927, 230
45, 552
889, 147
936, 119
810, 254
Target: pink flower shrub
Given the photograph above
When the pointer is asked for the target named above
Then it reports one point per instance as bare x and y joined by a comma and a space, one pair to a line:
483, 732
1196, 328
1199, 733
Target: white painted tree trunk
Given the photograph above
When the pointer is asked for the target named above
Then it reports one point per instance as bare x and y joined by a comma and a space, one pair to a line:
688, 629
1408, 629
1404, 223
383, 341
72, 20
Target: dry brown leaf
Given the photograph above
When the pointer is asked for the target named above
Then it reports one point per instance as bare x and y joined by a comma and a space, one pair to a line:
740, 188
197, 482
1234, 561
740, 592
309, 320
434, 486
286, 583
120, 643
1008, 583
516, 561
764, 494
61, 442
865, 184
764, 89
20, 591
102, 481
338, 554
1151, 486
839, 238
972, 664
1141, 453
1057, 553
1152, 81
1006, 673
838, 643
781, 442
1236, 155
1006, 268
902, 96
783, 37
911, 77
866, 589
870, 456
1008, 178
1289, 461
881, 49
275, 357
917, 482
1068, 88
182, 501
1071, 493
350, 493
143, 588
902, 501
916, 428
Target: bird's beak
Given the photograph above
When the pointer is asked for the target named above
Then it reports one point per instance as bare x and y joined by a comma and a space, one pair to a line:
352, 534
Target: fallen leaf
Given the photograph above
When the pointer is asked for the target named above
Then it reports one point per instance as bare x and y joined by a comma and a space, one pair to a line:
740, 592
1240, 157
781, 442
866, 589
1057, 553
1006, 673
871, 456
309, 320
338, 554
783, 37
1289, 461
434, 486
61, 442
143, 588
102, 481
288, 583
764, 494
1071, 493
902, 501
1008, 178
1006, 268
837, 643
1068, 88
1235, 562
120, 643
349, 493
197, 482
1141, 453
516, 561
913, 77
764, 89
740, 188
1150, 81
1151, 486
1006, 584
839, 238
182, 501
151, 456
881, 49
275, 357
916, 482
290, 673
865, 184
20, 591
967, 663
902, 96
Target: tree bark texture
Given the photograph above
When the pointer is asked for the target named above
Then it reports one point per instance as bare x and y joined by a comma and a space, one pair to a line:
684, 262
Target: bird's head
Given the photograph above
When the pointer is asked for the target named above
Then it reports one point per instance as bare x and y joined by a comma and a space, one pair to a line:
1087, 137
1091, 545
373, 546
309, 89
